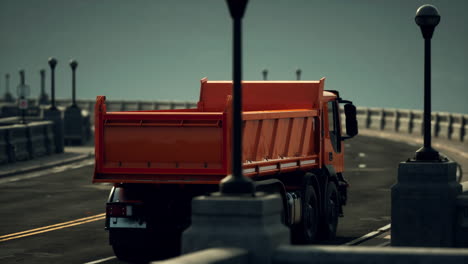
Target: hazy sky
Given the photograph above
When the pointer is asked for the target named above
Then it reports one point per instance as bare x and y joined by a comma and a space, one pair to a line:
371, 51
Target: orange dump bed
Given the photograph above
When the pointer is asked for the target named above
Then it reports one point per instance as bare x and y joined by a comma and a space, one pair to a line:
281, 133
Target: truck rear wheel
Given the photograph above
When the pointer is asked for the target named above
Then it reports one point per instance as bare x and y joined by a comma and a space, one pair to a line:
306, 231
329, 224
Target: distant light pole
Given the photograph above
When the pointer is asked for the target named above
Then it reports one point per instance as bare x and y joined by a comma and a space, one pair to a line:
43, 98
265, 74
237, 183
52, 64
73, 65
427, 18
8, 97
22, 92
298, 74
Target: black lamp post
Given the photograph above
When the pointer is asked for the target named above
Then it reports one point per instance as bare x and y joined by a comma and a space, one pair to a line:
427, 18
237, 183
52, 64
8, 97
265, 74
22, 92
73, 65
298, 74
43, 98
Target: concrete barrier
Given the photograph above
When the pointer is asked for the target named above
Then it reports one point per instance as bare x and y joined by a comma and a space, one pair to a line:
9, 109
55, 116
367, 255
211, 256
18, 138
38, 138
4, 146
24, 142
50, 137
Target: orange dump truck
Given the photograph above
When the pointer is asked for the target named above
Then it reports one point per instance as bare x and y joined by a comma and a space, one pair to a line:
159, 160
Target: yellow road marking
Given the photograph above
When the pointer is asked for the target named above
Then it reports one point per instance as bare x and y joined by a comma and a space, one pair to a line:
53, 227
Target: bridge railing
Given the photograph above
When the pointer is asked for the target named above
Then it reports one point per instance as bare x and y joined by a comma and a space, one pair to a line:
452, 126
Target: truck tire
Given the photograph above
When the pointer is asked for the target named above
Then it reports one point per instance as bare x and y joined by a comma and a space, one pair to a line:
331, 212
306, 231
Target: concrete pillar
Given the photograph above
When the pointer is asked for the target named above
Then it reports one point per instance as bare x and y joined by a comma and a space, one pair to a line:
424, 204
244, 221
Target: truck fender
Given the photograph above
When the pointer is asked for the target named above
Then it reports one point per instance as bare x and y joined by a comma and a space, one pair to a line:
274, 186
331, 175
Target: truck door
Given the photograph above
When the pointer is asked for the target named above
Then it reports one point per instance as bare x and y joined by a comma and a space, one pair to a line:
333, 144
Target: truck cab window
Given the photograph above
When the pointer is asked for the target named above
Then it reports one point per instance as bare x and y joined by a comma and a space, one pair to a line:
333, 127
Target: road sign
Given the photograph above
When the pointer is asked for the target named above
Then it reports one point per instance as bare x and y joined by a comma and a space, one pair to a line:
23, 104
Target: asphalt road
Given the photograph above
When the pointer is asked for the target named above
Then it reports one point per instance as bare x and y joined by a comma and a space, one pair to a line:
63, 208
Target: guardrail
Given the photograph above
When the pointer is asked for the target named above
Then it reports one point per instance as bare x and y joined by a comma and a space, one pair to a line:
444, 125
124, 105
452, 126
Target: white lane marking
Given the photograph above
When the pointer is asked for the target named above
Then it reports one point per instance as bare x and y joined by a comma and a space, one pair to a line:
369, 235
40, 173
101, 260
384, 244
362, 166
361, 155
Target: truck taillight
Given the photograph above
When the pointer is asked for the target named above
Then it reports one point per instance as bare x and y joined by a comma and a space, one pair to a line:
119, 210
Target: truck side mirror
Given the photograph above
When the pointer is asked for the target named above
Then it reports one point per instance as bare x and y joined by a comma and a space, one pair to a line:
351, 121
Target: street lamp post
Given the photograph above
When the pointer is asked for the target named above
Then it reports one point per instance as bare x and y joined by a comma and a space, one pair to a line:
265, 74
423, 201
237, 183
53, 113
43, 98
298, 74
52, 64
73, 65
427, 18
22, 92
233, 214
8, 97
